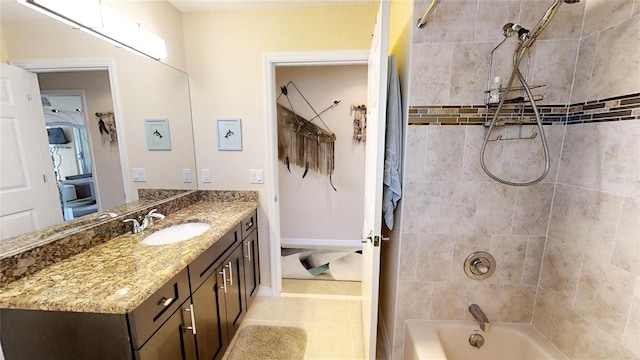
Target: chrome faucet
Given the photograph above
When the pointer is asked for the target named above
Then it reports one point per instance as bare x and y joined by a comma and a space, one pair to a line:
106, 215
146, 221
480, 317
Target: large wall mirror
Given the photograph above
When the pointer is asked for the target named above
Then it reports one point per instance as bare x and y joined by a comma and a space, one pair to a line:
117, 90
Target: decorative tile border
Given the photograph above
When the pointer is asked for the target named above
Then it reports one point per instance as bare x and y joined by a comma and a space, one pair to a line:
626, 107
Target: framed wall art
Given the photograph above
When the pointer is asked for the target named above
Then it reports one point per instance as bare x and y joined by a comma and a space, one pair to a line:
229, 134
157, 133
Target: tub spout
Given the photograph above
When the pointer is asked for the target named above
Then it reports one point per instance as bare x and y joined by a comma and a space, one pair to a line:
480, 317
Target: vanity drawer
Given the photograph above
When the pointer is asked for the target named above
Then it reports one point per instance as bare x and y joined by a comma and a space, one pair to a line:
249, 223
206, 263
147, 318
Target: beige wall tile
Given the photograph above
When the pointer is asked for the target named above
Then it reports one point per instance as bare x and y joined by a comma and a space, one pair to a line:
602, 14
616, 75
408, 259
430, 74
626, 251
416, 153
582, 154
492, 15
414, 300
593, 216
603, 296
434, 254
565, 24
632, 330
510, 253
496, 203
516, 303
468, 75
455, 21
471, 169
443, 162
621, 163
458, 208
553, 65
559, 219
584, 69
421, 207
533, 205
533, 260
449, 301
560, 274
424, 35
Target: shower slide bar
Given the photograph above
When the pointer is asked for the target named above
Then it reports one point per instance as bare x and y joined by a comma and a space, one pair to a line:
423, 20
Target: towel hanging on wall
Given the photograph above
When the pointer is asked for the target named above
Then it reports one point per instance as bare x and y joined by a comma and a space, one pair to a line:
107, 127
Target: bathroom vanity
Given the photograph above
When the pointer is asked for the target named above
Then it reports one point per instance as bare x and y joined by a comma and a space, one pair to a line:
126, 300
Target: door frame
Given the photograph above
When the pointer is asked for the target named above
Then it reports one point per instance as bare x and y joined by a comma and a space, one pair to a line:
271, 62
86, 64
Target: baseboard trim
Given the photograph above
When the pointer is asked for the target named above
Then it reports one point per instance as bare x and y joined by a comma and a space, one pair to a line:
321, 244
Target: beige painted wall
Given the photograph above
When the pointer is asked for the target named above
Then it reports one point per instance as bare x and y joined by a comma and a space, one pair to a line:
144, 89
106, 158
225, 52
309, 207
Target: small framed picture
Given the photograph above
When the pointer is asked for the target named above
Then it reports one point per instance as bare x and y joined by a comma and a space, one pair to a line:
229, 134
157, 133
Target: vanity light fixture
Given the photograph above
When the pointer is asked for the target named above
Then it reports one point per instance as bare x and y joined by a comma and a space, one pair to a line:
103, 22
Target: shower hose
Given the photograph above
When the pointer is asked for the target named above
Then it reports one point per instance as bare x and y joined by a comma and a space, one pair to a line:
517, 58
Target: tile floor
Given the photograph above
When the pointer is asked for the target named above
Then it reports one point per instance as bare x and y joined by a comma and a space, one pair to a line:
333, 324
322, 287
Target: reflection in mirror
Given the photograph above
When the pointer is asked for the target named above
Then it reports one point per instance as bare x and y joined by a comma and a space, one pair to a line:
141, 88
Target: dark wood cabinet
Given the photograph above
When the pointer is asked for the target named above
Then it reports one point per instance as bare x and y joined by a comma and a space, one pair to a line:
210, 337
174, 339
251, 264
193, 316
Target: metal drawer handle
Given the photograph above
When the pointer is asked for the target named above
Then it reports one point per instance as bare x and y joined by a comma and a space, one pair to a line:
165, 302
193, 320
224, 280
230, 266
248, 256
249, 224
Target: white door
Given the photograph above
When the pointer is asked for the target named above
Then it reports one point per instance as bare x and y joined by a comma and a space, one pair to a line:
376, 116
28, 190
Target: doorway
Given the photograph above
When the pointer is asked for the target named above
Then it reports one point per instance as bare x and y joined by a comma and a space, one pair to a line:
321, 215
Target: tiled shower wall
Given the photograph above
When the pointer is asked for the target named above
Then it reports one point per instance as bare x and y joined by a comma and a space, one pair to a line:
591, 263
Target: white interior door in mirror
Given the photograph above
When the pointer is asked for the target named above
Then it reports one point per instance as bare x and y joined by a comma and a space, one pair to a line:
28, 194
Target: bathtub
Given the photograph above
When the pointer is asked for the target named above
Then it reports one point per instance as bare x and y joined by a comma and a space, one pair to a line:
433, 339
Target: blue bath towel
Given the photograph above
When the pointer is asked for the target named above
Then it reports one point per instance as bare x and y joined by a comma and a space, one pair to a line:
392, 181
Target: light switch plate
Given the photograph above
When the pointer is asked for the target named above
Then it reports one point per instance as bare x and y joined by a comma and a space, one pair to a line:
256, 176
206, 175
139, 175
186, 175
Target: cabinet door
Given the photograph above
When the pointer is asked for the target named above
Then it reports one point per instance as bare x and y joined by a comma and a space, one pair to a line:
210, 337
251, 267
174, 339
232, 289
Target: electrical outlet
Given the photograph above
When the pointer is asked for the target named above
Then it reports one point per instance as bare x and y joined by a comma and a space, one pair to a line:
139, 175
186, 175
256, 176
206, 175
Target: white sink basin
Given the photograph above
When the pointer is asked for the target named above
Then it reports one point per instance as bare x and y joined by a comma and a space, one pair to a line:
176, 233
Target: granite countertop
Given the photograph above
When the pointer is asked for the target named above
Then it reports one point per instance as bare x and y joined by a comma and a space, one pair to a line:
117, 276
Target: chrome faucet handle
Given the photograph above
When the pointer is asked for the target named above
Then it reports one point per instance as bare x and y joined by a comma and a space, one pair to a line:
106, 215
136, 226
148, 219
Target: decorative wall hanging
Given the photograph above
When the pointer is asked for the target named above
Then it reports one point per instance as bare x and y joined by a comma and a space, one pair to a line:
303, 143
359, 123
229, 134
157, 133
107, 128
